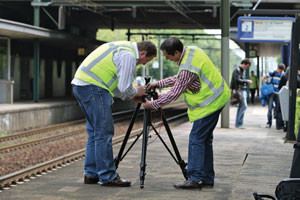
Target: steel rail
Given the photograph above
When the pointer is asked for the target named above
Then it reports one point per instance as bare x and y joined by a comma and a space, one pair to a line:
41, 141
38, 131
49, 128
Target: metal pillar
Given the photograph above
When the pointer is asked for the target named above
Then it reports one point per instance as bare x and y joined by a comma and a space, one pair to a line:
262, 65
36, 55
160, 61
128, 34
161, 66
258, 74
247, 48
225, 20
8, 59
285, 54
295, 61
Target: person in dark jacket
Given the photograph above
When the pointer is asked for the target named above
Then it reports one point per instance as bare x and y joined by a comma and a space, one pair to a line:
238, 82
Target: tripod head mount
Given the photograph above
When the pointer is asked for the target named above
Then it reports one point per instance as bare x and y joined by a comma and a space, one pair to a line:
150, 93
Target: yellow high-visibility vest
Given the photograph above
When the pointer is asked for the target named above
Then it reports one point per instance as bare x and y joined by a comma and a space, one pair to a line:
214, 92
98, 67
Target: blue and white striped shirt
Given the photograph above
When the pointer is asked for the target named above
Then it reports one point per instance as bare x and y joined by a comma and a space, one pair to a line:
275, 79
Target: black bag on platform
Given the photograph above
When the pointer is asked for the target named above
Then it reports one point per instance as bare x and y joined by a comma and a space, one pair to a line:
236, 97
288, 189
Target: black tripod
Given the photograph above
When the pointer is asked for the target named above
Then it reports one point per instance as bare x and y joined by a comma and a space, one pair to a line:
145, 133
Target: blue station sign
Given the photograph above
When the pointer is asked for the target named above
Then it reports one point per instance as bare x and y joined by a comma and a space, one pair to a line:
265, 29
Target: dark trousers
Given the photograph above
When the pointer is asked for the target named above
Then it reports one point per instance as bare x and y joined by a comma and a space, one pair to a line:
200, 158
274, 103
252, 92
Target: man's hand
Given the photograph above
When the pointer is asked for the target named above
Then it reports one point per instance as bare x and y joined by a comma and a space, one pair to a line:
146, 104
249, 81
140, 91
137, 99
151, 85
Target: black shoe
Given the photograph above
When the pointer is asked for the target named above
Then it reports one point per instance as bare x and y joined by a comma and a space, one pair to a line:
90, 180
117, 182
189, 184
207, 185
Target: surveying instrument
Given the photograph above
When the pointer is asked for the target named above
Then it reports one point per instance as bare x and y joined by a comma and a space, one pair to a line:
145, 132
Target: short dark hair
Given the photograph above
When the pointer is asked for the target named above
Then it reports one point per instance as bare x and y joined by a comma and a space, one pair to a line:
147, 46
246, 61
172, 44
281, 66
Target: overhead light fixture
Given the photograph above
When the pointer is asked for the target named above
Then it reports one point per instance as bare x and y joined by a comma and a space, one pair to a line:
244, 3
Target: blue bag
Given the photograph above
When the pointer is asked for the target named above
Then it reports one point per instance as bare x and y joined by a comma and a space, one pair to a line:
267, 89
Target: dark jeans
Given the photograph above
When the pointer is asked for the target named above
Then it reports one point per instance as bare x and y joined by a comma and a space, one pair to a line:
252, 92
200, 158
273, 102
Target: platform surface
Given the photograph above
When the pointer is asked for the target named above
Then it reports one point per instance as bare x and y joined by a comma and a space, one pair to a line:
254, 159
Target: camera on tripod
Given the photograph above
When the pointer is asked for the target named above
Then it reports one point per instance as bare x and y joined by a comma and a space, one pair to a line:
150, 93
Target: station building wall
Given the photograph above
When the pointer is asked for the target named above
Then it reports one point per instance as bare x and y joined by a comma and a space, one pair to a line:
52, 76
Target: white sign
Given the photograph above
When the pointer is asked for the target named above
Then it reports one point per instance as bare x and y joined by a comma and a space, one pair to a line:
265, 29
247, 27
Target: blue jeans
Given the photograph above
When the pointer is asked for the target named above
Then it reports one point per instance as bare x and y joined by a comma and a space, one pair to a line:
273, 102
95, 102
239, 121
200, 158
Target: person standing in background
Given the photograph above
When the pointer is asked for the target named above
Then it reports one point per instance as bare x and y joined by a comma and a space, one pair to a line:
273, 100
238, 82
253, 86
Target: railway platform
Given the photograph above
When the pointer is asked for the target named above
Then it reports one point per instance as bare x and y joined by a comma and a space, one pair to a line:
254, 159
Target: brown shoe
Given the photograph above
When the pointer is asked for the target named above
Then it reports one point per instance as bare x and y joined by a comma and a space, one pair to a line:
90, 180
117, 182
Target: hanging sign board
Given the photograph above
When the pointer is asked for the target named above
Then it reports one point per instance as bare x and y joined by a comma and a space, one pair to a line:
265, 29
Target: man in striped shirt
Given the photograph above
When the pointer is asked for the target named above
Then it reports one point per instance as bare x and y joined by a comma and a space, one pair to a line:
205, 93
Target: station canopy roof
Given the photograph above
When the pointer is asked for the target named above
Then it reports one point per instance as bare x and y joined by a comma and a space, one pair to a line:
85, 17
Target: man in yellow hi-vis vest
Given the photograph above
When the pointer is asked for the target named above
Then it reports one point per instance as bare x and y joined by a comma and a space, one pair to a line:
107, 72
205, 93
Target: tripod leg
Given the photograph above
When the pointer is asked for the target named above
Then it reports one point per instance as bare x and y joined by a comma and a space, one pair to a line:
119, 157
181, 162
147, 122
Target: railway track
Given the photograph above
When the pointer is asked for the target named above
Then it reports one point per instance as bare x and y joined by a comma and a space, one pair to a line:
33, 171
119, 117
38, 131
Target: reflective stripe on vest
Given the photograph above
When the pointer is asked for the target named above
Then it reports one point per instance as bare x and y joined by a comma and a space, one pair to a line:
217, 92
87, 69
